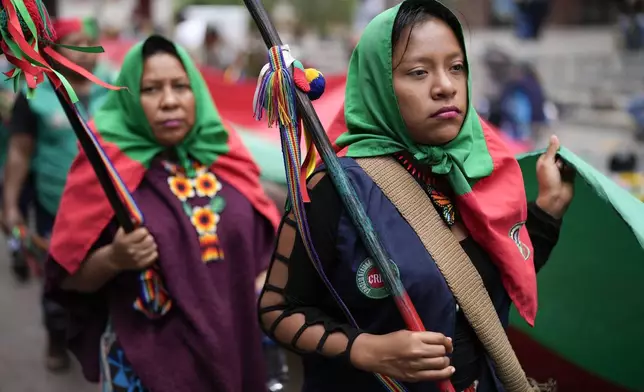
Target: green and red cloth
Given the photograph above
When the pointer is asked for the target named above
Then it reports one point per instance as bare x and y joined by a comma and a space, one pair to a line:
588, 335
127, 140
67, 26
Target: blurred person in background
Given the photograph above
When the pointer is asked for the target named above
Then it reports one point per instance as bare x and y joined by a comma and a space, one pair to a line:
530, 17
498, 66
523, 104
143, 27
205, 44
19, 264
7, 99
255, 53
117, 17
631, 23
636, 110
515, 101
365, 11
191, 33
42, 141
215, 49
503, 12
208, 234
217, 54
625, 171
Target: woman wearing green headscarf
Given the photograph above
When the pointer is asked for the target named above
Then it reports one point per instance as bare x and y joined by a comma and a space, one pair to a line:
208, 231
408, 108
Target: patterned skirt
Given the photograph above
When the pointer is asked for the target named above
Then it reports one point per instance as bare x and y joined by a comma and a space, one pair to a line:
117, 374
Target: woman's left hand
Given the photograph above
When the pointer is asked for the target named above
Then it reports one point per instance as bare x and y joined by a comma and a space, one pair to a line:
556, 181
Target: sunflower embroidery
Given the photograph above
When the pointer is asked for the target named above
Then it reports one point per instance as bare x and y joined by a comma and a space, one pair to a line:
181, 187
204, 220
206, 185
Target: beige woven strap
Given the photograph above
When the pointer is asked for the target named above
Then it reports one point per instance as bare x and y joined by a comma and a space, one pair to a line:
459, 272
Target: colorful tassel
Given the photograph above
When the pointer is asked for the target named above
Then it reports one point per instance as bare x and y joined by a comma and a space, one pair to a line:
310, 81
154, 301
33, 247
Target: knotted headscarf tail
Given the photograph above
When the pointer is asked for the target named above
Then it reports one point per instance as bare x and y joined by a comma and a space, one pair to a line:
482, 172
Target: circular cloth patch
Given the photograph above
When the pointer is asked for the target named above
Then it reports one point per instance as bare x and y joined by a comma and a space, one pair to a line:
370, 281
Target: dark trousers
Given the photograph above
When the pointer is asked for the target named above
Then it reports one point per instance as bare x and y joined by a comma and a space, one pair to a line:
54, 316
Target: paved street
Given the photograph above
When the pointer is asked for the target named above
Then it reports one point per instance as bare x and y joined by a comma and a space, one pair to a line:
22, 340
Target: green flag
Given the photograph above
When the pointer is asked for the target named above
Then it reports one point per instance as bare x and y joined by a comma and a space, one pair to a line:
591, 302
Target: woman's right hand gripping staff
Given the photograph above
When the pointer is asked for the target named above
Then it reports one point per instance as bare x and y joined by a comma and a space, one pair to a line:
404, 355
132, 251
136, 250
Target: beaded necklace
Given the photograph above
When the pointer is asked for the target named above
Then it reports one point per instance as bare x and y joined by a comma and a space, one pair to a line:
204, 217
442, 202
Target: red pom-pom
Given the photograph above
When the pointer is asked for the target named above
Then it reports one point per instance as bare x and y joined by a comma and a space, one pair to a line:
38, 14
44, 28
15, 28
28, 57
299, 77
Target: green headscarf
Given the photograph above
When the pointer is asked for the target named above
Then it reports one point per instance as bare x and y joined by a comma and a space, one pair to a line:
375, 125
122, 121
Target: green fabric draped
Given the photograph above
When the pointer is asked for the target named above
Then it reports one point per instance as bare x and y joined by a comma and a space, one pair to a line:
122, 120
589, 288
375, 125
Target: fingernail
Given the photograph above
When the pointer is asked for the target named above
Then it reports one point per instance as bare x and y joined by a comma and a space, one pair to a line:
452, 369
448, 338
